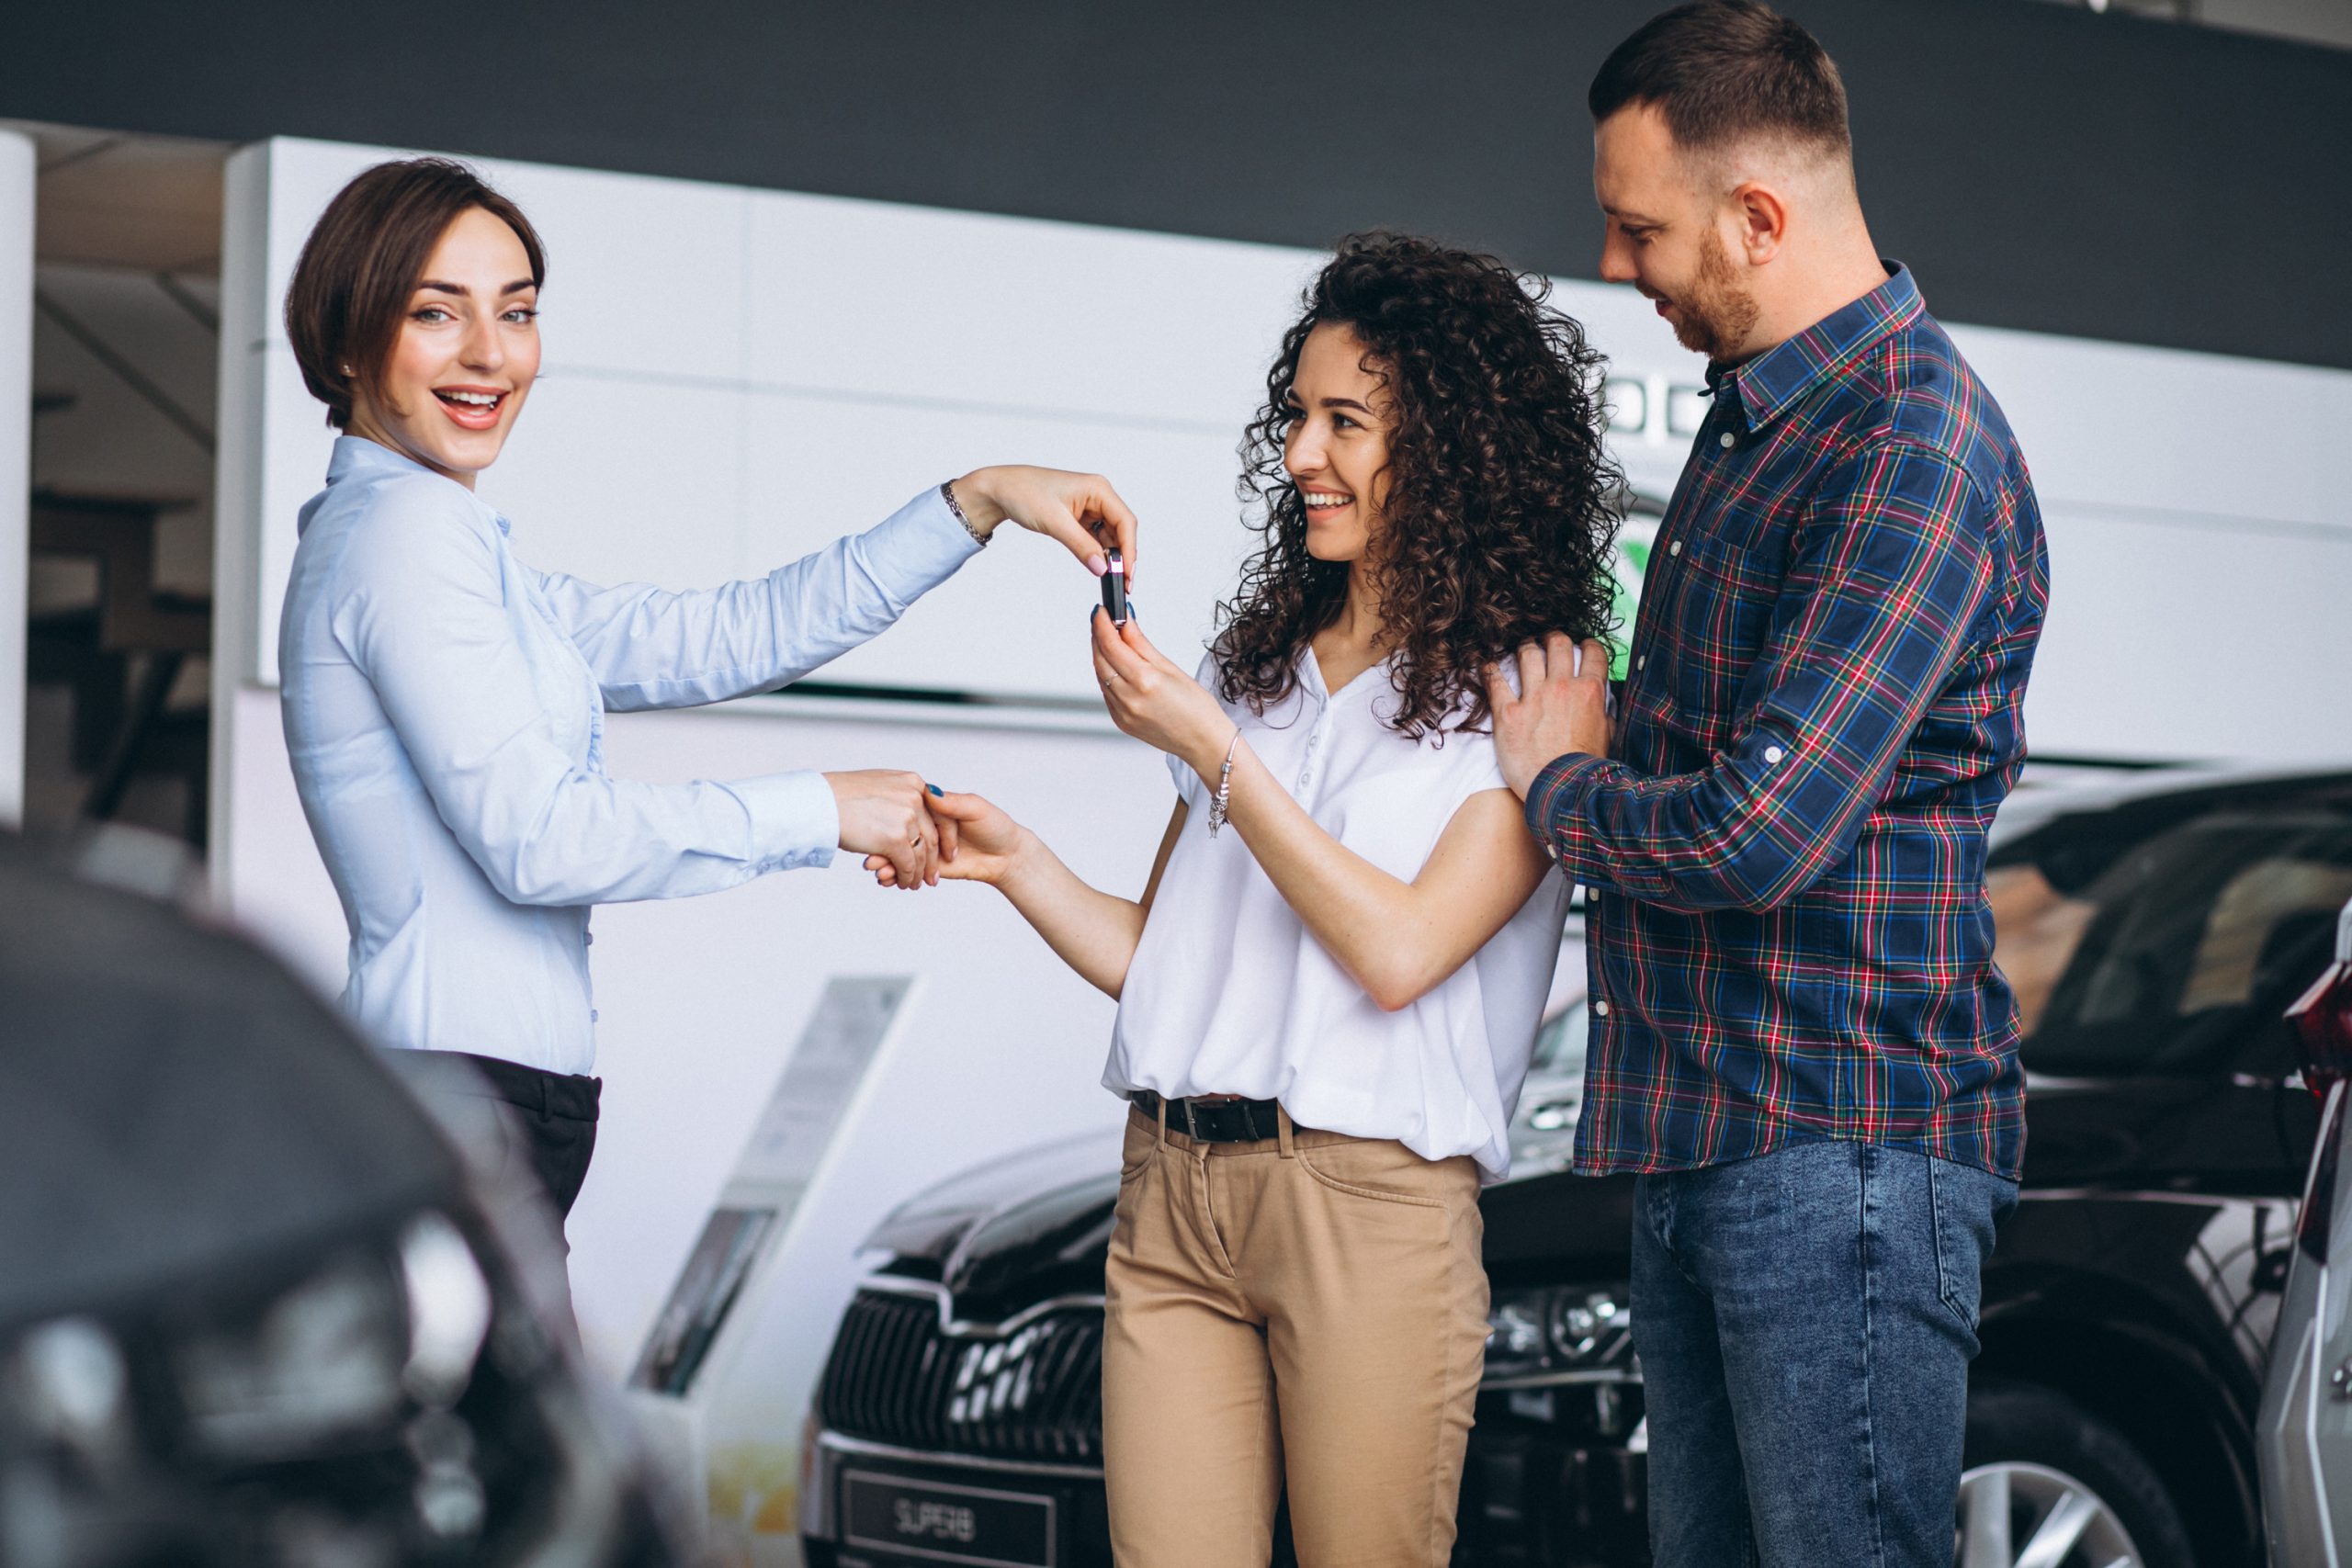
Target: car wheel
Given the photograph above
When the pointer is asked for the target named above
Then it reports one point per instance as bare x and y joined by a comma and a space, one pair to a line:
2044, 1482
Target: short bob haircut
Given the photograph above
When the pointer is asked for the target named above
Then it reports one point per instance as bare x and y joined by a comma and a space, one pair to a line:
364, 260
1729, 71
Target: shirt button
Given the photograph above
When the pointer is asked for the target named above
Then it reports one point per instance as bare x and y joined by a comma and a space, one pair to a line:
594, 1015
587, 939
1675, 549
1726, 441
1601, 1006
1641, 659
1773, 753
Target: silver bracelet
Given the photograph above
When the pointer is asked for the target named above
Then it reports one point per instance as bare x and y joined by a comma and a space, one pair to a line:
948, 494
1224, 797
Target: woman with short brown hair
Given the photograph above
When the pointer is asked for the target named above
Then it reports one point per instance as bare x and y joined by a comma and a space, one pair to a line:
444, 702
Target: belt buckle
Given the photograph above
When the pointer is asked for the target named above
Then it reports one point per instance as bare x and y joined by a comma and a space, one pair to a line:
1192, 1127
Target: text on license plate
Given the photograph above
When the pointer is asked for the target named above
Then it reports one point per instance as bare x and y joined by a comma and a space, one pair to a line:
946, 1522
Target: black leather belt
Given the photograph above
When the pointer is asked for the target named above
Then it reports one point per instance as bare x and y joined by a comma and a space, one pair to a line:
1216, 1121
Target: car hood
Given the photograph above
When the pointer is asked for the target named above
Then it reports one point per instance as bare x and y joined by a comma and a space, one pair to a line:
1014, 1231
175, 1107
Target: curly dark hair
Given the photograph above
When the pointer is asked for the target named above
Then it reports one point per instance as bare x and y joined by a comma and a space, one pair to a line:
1501, 512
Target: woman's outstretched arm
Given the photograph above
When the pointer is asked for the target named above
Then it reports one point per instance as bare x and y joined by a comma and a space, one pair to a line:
1399, 939
1092, 931
650, 648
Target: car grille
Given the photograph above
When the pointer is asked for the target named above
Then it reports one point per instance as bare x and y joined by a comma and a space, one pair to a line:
1035, 1393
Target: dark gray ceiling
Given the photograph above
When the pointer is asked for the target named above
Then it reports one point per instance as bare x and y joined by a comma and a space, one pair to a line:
2039, 167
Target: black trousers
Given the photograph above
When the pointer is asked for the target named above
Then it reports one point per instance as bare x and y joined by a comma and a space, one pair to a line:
522, 1117
550, 1119
528, 1135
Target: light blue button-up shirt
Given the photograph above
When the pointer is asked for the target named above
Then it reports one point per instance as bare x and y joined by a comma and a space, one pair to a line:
445, 708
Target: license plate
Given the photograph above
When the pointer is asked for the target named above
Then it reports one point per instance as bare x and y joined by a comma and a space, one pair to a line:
948, 1523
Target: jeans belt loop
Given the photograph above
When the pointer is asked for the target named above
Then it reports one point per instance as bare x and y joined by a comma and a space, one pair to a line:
1161, 1101
1282, 1118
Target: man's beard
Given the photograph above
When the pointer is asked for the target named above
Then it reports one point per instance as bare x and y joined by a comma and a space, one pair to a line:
1716, 316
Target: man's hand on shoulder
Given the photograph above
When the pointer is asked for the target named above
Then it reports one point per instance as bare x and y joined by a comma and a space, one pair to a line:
1561, 705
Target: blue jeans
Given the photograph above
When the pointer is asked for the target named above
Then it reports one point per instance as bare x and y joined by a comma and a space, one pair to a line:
1805, 1320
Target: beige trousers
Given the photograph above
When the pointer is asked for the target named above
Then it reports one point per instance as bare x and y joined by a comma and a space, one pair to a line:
1310, 1311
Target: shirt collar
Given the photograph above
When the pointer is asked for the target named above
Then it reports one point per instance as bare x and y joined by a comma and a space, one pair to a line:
1310, 677
1763, 387
357, 455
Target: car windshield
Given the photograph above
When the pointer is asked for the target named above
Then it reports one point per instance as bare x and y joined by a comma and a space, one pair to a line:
2180, 951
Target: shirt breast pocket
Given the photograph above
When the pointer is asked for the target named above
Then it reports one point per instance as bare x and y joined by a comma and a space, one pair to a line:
1725, 615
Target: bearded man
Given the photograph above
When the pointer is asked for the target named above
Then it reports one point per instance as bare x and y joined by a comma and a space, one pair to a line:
1799, 1039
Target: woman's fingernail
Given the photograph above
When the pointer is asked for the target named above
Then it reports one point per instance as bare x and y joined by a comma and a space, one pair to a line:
1097, 565
934, 789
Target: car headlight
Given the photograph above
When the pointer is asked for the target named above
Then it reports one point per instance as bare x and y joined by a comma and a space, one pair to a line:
1515, 1333
342, 1354
1587, 1326
1581, 1328
366, 1407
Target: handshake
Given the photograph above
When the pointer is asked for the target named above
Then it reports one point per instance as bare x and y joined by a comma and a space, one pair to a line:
913, 833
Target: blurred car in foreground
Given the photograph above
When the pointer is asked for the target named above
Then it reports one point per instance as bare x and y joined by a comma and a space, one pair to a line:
251, 1310
2307, 1400
2154, 931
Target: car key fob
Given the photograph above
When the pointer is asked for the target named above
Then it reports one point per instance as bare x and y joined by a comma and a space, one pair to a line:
1114, 587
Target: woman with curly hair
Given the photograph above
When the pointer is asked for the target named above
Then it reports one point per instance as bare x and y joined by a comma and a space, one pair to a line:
1326, 1013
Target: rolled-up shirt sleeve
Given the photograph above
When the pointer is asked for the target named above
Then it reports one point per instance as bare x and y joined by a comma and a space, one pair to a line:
1888, 572
421, 611
650, 648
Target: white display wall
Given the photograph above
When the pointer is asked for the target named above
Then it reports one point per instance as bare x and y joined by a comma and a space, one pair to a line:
734, 376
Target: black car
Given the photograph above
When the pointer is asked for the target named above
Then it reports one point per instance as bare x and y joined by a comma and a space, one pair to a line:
2154, 933
253, 1309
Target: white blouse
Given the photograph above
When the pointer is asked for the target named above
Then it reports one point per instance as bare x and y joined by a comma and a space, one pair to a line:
1230, 994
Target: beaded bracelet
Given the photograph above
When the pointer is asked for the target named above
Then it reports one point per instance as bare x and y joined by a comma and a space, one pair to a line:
948, 494
1224, 797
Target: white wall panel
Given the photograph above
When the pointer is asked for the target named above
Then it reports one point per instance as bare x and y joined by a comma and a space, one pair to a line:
18, 164
617, 480
2167, 431
865, 296
2173, 637
644, 276
297, 443
1011, 622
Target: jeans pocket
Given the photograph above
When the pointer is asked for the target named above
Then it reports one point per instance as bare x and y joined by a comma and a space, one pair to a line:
1964, 1203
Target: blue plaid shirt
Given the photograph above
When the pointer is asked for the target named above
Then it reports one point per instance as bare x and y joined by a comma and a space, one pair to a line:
1784, 851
